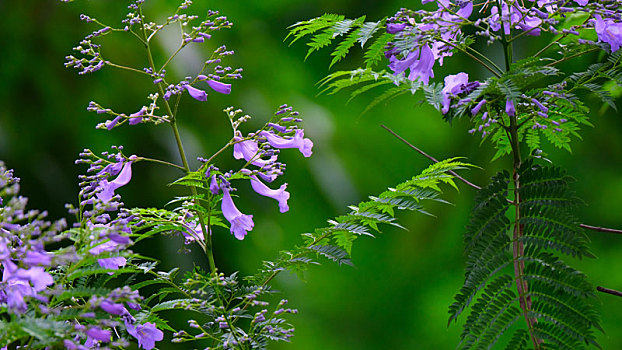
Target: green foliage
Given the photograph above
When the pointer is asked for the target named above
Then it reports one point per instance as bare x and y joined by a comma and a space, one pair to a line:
335, 241
514, 269
324, 29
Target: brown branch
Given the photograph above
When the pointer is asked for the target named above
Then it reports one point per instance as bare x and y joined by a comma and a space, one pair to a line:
588, 227
430, 158
601, 229
609, 291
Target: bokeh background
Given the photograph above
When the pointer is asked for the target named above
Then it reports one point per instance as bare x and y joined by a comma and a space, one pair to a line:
398, 294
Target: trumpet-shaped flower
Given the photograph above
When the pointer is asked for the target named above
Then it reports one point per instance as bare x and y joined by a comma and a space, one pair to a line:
146, 334
240, 223
219, 87
420, 63
609, 31
454, 84
298, 141
280, 194
107, 188
197, 94
249, 150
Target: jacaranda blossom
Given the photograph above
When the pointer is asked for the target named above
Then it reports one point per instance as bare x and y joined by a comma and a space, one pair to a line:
136, 118
280, 194
197, 94
219, 87
419, 61
240, 223
248, 150
146, 334
113, 263
107, 188
609, 31
454, 84
298, 141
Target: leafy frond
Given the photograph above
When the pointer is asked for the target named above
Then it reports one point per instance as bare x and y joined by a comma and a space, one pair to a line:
553, 302
335, 241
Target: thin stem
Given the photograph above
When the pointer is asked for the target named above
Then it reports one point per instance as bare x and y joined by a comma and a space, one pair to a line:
609, 291
601, 229
572, 56
126, 68
429, 157
162, 162
494, 72
207, 248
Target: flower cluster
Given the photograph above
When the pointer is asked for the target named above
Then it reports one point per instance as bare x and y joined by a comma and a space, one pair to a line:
260, 150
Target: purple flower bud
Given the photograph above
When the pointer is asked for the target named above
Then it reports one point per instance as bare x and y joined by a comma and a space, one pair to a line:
136, 118
111, 124
113, 308
99, 334
509, 107
540, 105
219, 87
393, 28
477, 107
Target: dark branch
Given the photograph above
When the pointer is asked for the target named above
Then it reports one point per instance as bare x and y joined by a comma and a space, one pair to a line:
430, 157
609, 291
601, 229
588, 227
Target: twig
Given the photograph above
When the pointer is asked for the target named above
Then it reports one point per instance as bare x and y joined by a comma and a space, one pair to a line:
601, 229
587, 227
609, 291
430, 157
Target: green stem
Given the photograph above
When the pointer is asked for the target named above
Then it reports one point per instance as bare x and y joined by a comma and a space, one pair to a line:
207, 247
161, 162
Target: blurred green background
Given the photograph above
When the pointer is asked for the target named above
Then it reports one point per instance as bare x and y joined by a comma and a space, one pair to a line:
398, 294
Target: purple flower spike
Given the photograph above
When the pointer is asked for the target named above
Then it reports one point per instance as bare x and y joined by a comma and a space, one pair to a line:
147, 334
197, 94
298, 141
240, 223
509, 108
280, 195
108, 188
219, 87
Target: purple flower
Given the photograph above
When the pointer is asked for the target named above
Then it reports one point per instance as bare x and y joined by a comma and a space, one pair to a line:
249, 150
136, 118
477, 107
147, 334
393, 28
240, 223
37, 277
37, 258
609, 31
454, 84
509, 107
197, 94
108, 188
111, 124
420, 63
113, 308
98, 334
280, 195
213, 185
113, 263
298, 141
219, 87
